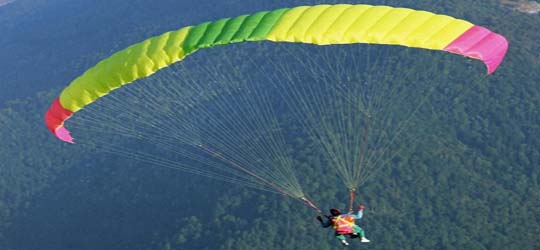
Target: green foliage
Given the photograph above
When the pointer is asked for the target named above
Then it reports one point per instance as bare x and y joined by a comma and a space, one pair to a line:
471, 182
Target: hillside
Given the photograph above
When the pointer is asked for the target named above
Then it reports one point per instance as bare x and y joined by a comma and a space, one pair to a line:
471, 182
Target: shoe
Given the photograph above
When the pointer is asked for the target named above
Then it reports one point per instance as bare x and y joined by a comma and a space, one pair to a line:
365, 240
344, 242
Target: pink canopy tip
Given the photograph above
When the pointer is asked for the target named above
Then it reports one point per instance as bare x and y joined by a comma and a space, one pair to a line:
492, 63
63, 134
54, 119
483, 44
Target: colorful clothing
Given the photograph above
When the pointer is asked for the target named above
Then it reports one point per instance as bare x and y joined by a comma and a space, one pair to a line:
356, 230
345, 224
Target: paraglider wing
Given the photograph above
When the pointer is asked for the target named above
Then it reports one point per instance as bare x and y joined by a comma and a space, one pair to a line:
320, 24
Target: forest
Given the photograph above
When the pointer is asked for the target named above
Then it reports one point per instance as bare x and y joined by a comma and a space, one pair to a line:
465, 174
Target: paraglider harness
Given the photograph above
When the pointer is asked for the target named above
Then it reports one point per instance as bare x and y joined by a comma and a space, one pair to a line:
343, 224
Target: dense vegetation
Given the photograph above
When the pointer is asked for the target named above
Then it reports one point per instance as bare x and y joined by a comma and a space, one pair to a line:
472, 183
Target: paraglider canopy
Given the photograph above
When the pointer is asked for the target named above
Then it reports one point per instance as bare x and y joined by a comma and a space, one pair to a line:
319, 24
235, 123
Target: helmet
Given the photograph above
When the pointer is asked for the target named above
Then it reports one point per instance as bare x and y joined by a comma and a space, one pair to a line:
335, 212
